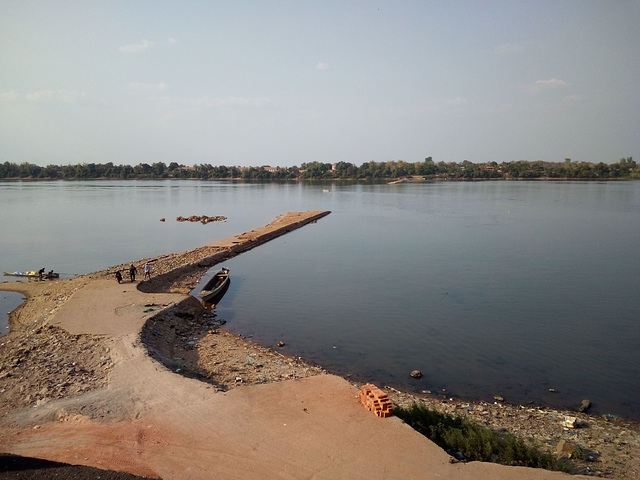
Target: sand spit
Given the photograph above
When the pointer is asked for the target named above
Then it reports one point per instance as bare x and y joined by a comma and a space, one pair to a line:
138, 378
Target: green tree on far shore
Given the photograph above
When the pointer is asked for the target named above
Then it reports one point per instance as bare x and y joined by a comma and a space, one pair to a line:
624, 169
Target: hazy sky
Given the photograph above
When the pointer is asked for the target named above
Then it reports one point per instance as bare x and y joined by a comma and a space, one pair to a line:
286, 82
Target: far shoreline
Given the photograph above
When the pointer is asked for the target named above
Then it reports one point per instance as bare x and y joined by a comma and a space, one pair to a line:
364, 181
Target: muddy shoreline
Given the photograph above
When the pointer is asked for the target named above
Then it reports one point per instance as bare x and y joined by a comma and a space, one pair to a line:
608, 446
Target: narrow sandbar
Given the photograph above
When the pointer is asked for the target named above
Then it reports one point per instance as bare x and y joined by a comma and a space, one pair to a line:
145, 382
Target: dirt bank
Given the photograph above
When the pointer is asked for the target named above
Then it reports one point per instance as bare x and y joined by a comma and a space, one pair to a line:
137, 377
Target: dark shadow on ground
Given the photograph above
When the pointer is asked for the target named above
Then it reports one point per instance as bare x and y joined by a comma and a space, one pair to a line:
27, 468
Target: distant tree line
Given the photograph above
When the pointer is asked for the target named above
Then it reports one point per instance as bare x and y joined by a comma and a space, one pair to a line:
626, 168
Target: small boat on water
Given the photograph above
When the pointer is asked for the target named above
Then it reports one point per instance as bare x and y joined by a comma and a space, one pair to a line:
33, 274
214, 286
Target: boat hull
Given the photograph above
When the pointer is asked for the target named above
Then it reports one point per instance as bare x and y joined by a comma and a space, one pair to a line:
31, 274
214, 286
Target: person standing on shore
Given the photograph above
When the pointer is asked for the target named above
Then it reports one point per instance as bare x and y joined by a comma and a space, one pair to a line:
118, 276
132, 272
147, 271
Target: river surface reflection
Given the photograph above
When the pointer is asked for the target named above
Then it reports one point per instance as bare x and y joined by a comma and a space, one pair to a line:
488, 288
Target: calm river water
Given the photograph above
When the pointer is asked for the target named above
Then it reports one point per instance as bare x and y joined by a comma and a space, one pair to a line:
488, 288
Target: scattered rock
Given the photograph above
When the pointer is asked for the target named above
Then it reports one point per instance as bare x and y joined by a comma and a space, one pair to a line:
281, 344
213, 355
584, 406
567, 449
570, 422
498, 398
202, 219
416, 374
58, 364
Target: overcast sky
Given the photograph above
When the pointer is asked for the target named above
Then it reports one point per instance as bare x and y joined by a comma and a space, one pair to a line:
286, 82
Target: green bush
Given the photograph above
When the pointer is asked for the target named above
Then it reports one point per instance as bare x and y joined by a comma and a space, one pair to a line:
455, 433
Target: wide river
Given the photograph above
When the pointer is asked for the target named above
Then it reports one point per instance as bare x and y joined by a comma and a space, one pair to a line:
489, 288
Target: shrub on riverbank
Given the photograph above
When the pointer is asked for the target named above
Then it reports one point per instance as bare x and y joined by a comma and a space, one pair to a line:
466, 440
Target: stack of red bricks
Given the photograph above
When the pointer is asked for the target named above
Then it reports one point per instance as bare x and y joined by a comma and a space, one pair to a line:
375, 400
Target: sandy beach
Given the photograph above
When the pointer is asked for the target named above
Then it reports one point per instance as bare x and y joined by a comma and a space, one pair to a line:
137, 377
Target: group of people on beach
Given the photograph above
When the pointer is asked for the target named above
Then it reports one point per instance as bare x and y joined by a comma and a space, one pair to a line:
132, 273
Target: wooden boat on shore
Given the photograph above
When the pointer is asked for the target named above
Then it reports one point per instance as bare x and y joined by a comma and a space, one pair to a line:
33, 274
214, 286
